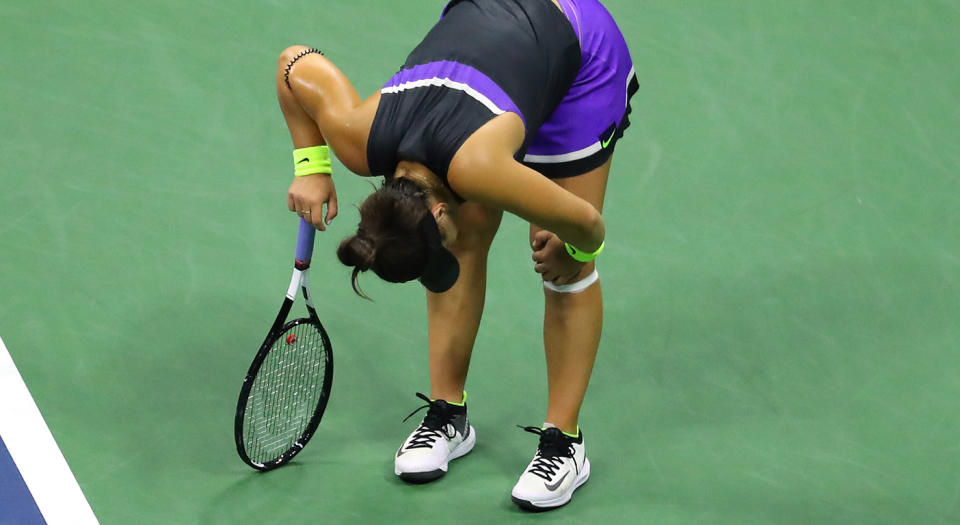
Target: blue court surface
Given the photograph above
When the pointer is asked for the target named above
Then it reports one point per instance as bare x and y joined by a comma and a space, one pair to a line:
36, 485
18, 503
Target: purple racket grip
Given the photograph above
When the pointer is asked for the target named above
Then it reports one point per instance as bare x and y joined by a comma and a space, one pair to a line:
305, 241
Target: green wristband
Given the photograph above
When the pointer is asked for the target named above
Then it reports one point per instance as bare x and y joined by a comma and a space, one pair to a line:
580, 255
315, 159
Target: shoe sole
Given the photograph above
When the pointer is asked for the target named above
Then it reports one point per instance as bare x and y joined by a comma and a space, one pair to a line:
560, 500
419, 478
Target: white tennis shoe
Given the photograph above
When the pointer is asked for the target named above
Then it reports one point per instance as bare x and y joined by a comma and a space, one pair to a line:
444, 434
558, 468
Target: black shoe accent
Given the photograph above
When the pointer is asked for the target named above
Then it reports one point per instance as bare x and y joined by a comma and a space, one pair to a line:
530, 507
440, 415
418, 478
553, 446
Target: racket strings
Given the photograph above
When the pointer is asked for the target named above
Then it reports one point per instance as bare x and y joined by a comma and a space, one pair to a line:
285, 393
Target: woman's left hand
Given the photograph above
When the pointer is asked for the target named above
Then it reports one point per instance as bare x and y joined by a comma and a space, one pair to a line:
553, 262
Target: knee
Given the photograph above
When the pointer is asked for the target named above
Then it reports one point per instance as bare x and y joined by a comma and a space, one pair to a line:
585, 272
477, 227
585, 279
484, 222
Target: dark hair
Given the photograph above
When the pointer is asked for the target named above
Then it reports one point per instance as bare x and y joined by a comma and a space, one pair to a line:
387, 239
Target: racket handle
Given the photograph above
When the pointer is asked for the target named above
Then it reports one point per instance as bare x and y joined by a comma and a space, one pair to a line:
305, 242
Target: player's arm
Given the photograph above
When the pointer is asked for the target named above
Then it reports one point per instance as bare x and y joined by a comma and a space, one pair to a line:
484, 171
307, 194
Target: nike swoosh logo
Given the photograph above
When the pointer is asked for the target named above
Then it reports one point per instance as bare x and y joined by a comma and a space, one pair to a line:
305, 159
554, 487
612, 130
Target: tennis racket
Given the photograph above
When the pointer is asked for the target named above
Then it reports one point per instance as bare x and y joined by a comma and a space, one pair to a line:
287, 387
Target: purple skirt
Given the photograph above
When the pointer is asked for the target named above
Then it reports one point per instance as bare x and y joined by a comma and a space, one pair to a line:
581, 133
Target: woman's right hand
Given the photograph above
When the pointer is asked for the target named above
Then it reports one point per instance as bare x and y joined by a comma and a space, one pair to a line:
308, 194
552, 261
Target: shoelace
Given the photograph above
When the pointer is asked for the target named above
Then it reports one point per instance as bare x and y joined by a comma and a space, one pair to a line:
434, 424
553, 447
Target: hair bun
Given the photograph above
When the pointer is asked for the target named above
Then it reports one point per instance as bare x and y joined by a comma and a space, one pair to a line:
387, 239
357, 250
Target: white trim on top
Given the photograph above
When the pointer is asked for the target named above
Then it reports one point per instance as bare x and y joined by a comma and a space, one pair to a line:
566, 157
446, 82
35, 452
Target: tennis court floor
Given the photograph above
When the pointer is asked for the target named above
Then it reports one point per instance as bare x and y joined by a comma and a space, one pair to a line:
781, 271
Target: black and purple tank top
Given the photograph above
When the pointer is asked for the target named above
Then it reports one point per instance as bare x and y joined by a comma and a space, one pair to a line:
483, 58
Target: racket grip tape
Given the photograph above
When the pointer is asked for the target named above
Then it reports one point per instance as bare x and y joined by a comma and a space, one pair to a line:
305, 243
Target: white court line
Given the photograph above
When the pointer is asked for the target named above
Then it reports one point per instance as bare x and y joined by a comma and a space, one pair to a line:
36, 454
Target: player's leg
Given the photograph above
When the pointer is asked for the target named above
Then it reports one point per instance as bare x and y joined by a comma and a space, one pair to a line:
576, 142
453, 318
322, 107
573, 321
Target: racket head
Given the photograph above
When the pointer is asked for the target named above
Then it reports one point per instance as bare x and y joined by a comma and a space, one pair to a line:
284, 393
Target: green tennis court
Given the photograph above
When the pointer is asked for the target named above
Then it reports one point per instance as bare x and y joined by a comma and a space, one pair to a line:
782, 271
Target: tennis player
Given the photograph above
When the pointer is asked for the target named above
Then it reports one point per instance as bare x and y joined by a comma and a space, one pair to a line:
506, 105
